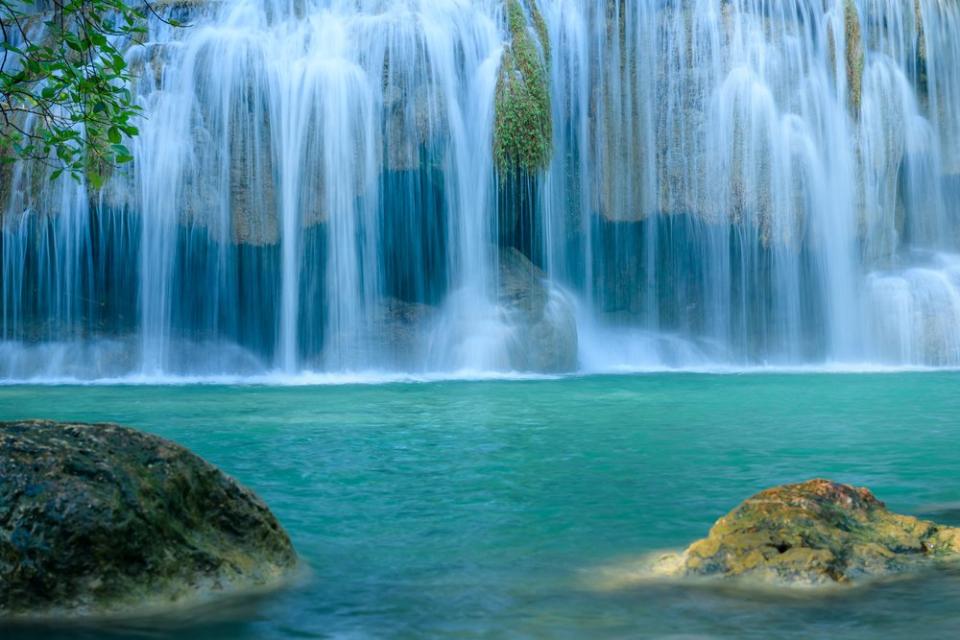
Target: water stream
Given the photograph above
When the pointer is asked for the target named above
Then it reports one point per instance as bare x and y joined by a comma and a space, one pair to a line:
731, 183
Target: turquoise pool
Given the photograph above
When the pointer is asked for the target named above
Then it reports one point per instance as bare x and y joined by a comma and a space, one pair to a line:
494, 509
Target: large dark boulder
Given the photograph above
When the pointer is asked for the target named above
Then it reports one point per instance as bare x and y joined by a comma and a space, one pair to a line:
814, 533
100, 519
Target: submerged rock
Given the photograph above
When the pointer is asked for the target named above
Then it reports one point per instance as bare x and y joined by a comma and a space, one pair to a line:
813, 533
101, 519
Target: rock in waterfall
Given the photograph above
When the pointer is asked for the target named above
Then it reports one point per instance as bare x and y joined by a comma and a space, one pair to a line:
541, 315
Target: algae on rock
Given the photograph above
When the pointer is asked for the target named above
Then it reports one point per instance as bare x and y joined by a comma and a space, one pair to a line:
101, 519
813, 533
523, 127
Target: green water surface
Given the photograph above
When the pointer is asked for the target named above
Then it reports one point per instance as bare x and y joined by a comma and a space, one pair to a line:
494, 509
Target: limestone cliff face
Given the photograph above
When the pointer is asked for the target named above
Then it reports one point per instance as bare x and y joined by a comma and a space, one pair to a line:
683, 121
682, 118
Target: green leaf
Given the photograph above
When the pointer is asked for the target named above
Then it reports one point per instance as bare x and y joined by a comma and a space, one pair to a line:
76, 73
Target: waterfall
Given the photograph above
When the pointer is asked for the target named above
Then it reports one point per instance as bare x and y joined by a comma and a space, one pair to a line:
317, 187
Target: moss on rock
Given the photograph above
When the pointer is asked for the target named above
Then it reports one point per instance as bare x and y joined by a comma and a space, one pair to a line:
100, 519
855, 55
812, 533
523, 127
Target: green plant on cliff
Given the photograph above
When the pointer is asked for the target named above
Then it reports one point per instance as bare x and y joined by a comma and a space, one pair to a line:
64, 97
523, 128
855, 55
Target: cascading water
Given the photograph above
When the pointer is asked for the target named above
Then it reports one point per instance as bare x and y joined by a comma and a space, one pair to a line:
316, 188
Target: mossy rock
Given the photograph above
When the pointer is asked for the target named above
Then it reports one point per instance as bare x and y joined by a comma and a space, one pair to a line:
523, 127
814, 533
855, 56
98, 519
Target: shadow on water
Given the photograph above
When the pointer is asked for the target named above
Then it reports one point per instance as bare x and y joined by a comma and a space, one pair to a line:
655, 609
946, 513
886, 608
235, 616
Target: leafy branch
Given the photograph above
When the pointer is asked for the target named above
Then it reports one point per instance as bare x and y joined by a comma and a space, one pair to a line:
65, 100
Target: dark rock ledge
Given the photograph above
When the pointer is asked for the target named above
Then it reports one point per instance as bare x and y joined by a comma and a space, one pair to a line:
99, 519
